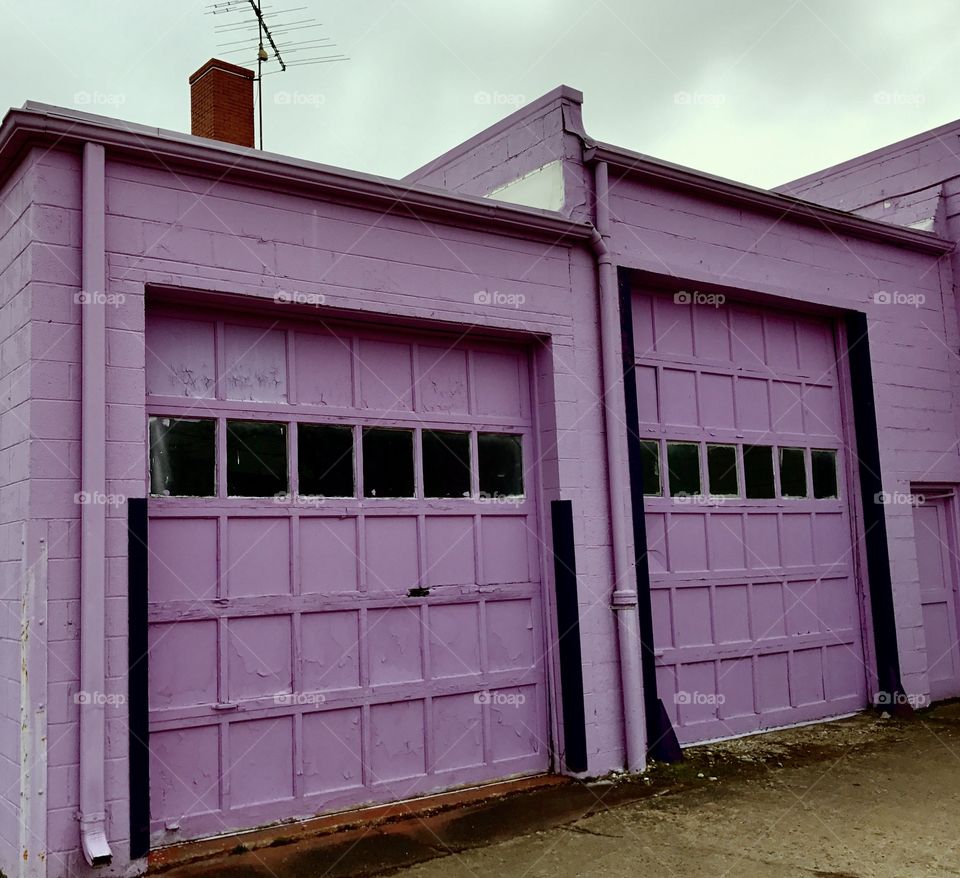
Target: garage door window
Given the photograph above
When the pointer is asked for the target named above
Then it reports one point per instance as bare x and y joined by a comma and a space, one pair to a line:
722, 470
183, 457
683, 461
824, 471
758, 472
793, 472
650, 455
256, 458
387, 462
325, 460
501, 464
446, 463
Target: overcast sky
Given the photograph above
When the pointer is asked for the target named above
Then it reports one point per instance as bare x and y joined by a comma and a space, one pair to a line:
758, 90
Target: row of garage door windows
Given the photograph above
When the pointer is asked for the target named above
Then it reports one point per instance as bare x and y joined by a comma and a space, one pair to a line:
684, 466
183, 453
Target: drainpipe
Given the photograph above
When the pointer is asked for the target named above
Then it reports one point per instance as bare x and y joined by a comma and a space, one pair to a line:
624, 596
93, 523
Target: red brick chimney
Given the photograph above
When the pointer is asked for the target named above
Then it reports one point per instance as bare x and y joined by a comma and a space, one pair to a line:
221, 103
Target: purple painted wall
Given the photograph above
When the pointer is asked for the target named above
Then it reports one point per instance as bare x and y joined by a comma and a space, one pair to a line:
545, 131
197, 233
915, 182
17, 201
189, 225
672, 231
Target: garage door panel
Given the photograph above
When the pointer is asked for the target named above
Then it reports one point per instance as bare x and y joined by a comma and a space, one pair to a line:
310, 653
755, 608
259, 650
329, 554
332, 751
324, 370
450, 550
259, 763
187, 367
183, 564
183, 666
392, 557
717, 407
258, 556
397, 736
454, 631
257, 364
443, 385
386, 375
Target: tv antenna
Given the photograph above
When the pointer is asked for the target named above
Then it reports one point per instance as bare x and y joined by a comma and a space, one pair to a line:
277, 41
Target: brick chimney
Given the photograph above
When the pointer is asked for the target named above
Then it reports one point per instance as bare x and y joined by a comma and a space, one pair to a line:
221, 103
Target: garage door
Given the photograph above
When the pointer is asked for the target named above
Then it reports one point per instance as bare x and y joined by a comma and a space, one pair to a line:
344, 583
756, 615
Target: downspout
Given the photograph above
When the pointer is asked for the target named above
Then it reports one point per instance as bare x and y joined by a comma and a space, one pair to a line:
624, 596
93, 485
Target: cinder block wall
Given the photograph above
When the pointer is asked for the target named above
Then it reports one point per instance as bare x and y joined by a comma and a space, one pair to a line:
18, 215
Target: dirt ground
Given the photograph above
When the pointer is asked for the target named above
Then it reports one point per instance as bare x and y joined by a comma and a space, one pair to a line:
865, 797
870, 797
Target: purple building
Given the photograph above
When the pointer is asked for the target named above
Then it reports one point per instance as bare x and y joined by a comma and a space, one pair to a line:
320, 489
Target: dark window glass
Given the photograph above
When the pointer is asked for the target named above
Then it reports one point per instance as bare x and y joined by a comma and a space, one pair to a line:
256, 458
823, 468
793, 472
758, 472
683, 461
183, 457
650, 456
387, 462
722, 470
446, 464
325, 460
501, 464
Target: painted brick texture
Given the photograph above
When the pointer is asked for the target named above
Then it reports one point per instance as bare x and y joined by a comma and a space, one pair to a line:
16, 213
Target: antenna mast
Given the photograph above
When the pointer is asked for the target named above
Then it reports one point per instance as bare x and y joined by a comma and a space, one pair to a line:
250, 24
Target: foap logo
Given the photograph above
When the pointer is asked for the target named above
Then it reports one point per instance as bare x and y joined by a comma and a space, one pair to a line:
100, 699
305, 501
295, 297
113, 300
898, 498
898, 699
98, 99
899, 99
299, 699
499, 499
699, 99
299, 99
500, 699
695, 297
699, 698
498, 99
98, 498
699, 500
895, 297
497, 299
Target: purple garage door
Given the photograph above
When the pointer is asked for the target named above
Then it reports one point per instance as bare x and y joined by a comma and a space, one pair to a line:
933, 523
756, 616
345, 602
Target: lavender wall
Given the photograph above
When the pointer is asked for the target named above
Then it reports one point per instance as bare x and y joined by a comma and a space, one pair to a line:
915, 372
17, 202
190, 232
703, 241
536, 135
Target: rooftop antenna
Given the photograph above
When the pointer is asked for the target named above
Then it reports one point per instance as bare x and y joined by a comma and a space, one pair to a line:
275, 41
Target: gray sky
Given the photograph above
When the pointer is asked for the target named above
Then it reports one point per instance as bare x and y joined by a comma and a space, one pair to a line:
758, 90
